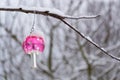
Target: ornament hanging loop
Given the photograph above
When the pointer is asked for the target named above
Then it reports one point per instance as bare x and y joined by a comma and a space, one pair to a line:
33, 24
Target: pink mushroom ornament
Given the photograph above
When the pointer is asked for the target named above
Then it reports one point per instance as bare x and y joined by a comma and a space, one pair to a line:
33, 45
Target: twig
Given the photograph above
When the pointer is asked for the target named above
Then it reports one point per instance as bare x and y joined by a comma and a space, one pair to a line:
46, 12
96, 45
82, 17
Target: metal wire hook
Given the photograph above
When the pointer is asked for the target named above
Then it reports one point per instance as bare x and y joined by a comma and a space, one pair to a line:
33, 24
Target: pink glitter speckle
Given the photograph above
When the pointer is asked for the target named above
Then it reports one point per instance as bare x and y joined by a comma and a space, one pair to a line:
33, 43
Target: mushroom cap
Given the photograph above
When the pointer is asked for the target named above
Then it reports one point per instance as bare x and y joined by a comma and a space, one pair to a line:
33, 43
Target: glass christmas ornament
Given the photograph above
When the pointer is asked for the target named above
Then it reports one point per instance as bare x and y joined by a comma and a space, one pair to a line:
33, 45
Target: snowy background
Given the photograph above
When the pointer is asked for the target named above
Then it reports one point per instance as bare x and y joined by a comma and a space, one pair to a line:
67, 56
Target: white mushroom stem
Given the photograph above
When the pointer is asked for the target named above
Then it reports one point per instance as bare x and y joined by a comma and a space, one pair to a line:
33, 56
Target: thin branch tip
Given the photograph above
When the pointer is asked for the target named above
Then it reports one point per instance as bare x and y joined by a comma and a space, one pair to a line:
98, 15
82, 17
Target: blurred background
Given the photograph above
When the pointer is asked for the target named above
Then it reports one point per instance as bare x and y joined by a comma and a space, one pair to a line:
67, 56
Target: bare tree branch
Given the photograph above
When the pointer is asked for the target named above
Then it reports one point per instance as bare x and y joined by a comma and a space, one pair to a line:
82, 17
45, 11
59, 15
89, 40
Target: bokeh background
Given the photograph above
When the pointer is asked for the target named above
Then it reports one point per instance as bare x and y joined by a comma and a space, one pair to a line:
67, 56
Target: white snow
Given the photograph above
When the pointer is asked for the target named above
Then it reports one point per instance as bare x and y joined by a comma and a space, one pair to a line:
89, 38
103, 49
